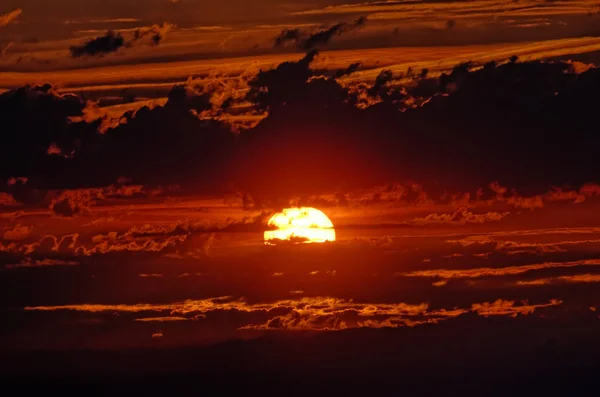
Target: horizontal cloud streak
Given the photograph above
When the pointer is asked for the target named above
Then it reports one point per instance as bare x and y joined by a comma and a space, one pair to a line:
571, 279
496, 272
310, 313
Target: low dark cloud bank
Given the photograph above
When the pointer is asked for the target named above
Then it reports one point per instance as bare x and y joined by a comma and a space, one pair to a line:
525, 124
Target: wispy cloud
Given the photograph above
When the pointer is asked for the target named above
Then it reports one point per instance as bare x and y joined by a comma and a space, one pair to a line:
113, 20
517, 247
41, 263
10, 17
309, 313
496, 272
571, 279
461, 216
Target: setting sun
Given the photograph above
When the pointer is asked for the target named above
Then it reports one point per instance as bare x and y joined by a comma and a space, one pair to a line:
301, 225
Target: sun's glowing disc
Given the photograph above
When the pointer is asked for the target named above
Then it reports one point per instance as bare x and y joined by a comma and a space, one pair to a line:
299, 225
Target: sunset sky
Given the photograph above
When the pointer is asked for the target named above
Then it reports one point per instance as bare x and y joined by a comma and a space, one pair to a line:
451, 147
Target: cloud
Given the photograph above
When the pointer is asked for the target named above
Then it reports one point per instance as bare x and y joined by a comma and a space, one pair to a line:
448, 274
4, 51
324, 116
571, 279
156, 33
17, 233
28, 262
515, 247
32, 118
160, 319
110, 42
101, 244
306, 39
10, 17
74, 202
114, 41
462, 216
309, 313
509, 308
6, 199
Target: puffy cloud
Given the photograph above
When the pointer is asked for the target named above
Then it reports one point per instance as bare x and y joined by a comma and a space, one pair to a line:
17, 233
395, 139
7, 199
74, 202
101, 244
32, 118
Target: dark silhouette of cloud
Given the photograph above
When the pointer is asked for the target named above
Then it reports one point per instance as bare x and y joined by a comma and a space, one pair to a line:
110, 42
307, 40
113, 41
514, 121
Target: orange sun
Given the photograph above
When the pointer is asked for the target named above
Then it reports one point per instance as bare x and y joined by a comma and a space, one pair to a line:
299, 225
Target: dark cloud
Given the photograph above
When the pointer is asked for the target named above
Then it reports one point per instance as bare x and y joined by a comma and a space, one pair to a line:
110, 42
113, 41
307, 39
33, 118
511, 122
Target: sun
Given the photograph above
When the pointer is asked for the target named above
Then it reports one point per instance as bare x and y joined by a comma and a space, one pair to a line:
299, 225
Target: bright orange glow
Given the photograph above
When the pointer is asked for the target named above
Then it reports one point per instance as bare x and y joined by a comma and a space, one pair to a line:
301, 225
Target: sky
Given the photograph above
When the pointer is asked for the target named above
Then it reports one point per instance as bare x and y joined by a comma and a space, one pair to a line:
452, 145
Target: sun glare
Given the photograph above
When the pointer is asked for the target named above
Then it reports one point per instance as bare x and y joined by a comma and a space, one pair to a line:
299, 225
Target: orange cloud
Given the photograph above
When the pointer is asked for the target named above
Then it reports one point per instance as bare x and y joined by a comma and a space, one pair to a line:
309, 313
462, 216
17, 233
7, 199
447, 274
160, 319
10, 17
509, 308
102, 244
514, 247
577, 278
